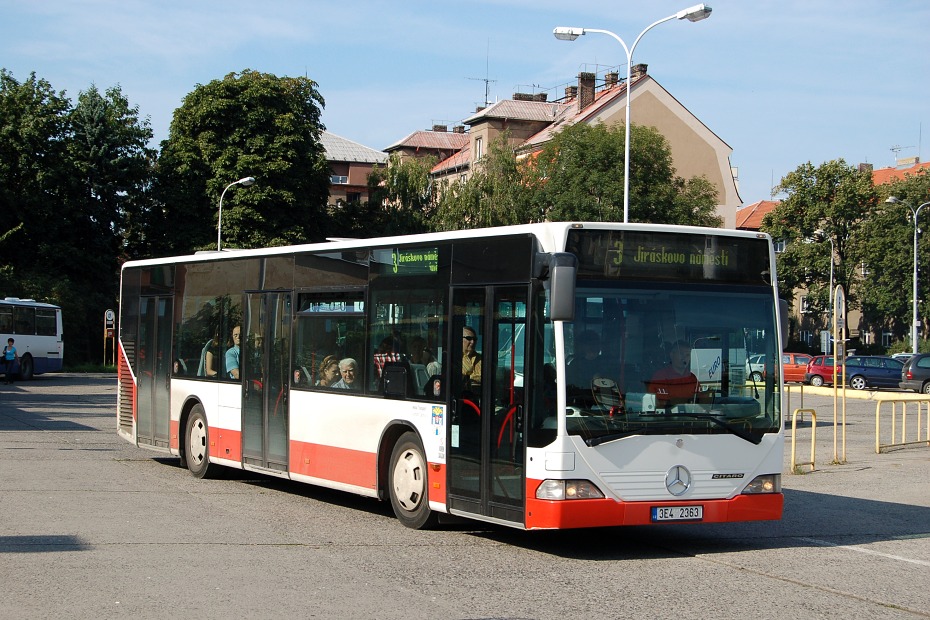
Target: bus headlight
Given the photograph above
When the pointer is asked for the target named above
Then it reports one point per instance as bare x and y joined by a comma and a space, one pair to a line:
568, 489
768, 483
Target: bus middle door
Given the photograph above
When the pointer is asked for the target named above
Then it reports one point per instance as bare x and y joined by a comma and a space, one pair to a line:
264, 364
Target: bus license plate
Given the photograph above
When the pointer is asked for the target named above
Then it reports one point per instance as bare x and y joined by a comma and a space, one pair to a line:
677, 513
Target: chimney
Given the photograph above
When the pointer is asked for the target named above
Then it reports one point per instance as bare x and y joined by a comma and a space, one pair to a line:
611, 79
865, 167
458, 129
638, 71
522, 97
571, 92
440, 128
585, 90
540, 97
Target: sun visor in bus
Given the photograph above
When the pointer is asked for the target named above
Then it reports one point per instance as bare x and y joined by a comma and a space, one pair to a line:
561, 269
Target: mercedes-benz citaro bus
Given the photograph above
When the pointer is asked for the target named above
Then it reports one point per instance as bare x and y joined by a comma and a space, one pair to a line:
532, 376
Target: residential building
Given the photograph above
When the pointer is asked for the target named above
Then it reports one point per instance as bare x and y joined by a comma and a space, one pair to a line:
350, 163
531, 121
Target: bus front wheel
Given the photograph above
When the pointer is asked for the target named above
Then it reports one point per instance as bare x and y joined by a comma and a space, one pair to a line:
197, 442
407, 482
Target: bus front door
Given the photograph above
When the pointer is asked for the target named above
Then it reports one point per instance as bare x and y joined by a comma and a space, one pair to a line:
486, 445
264, 359
153, 411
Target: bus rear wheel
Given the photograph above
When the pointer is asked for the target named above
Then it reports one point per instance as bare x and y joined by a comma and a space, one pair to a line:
197, 442
407, 483
26, 368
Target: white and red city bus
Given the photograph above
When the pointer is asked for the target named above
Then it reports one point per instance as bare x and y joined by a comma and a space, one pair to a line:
227, 359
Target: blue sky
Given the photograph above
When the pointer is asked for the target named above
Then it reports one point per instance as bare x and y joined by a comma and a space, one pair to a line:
782, 82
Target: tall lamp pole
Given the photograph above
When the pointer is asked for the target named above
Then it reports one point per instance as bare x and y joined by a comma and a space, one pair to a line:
568, 33
244, 182
914, 212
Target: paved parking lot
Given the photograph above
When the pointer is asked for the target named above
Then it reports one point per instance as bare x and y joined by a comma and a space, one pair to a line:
91, 526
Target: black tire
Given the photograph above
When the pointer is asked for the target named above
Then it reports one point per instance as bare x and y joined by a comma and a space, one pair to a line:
926, 388
816, 380
197, 443
408, 483
858, 382
756, 377
26, 368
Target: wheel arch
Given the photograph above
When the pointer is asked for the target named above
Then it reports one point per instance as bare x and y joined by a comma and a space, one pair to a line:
389, 437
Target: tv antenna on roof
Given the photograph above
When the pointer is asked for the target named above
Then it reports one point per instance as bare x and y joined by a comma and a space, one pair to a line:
485, 79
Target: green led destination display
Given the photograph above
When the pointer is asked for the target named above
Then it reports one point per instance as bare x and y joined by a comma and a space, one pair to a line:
669, 256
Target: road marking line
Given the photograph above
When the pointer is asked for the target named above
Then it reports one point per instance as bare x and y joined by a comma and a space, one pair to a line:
824, 543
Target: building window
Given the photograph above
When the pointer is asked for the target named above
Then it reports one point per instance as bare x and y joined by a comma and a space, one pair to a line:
806, 336
887, 339
353, 197
780, 245
338, 179
478, 148
803, 307
864, 269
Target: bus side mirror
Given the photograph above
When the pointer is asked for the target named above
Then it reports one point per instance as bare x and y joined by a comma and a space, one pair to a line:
563, 271
783, 316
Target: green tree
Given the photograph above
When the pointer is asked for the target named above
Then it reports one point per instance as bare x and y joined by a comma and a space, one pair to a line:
580, 177
887, 250
247, 124
401, 200
499, 191
33, 152
826, 203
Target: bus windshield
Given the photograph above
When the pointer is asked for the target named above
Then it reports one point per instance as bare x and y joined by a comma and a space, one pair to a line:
668, 360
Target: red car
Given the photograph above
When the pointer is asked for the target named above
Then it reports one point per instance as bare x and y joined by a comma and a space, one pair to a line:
819, 370
794, 366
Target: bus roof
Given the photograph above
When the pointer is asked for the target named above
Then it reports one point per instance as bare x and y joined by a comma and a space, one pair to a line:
550, 234
16, 301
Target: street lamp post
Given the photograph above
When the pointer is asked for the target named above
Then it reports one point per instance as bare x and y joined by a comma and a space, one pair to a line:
914, 212
244, 182
566, 33
823, 235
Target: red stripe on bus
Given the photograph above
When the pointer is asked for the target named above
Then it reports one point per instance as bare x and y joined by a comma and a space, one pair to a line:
546, 514
342, 465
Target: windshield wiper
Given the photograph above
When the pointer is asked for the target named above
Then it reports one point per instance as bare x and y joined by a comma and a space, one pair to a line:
596, 441
753, 439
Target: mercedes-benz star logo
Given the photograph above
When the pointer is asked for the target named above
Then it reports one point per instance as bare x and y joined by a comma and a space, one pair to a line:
678, 480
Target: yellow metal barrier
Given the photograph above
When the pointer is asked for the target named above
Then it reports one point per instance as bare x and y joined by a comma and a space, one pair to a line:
921, 431
794, 435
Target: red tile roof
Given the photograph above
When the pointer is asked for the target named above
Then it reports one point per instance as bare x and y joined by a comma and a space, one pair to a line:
888, 175
750, 216
458, 160
443, 140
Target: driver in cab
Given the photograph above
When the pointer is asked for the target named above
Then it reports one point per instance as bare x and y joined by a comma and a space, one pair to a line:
675, 383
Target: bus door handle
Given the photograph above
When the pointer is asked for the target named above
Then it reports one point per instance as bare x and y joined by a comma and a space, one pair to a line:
518, 419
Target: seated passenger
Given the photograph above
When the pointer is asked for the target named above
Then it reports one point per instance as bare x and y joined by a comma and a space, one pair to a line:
328, 373
347, 368
675, 383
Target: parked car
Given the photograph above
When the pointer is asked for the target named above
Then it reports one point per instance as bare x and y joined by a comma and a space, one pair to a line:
755, 367
819, 370
915, 375
794, 365
902, 357
862, 371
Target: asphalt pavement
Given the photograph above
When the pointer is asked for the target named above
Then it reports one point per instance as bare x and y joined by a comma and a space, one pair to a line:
91, 526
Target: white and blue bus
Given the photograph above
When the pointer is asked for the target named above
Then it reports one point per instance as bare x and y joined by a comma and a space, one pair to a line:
36, 329
514, 375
